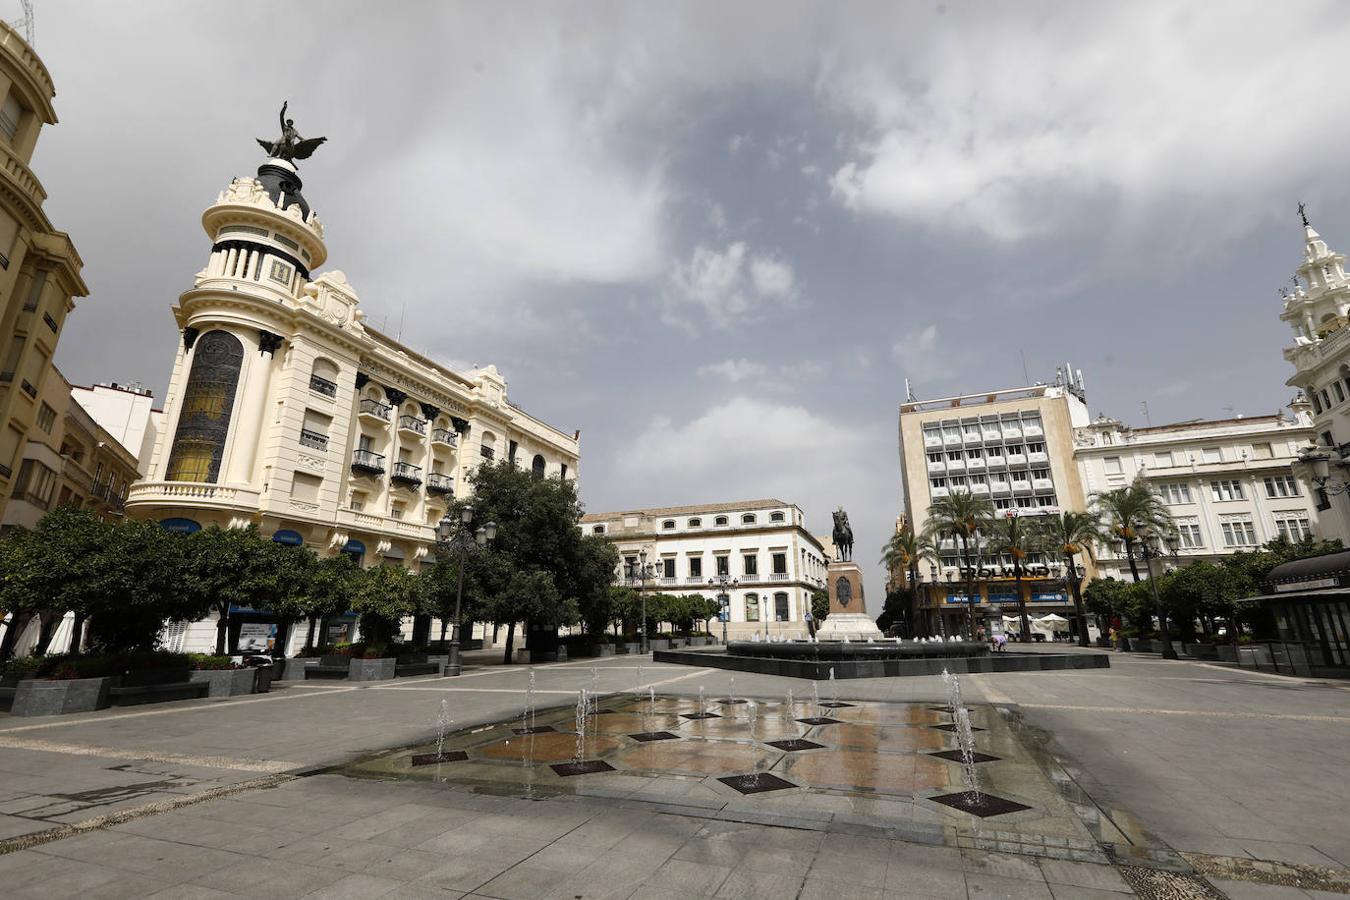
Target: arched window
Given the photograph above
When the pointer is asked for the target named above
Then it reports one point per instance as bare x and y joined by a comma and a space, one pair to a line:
323, 377
748, 519
752, 607
780, 607
488, 448
720, 520
776, 517
695, 523
598, 529
208, 400
668, 524
537, 466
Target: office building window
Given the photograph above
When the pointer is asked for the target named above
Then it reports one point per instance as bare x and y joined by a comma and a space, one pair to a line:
1281, 486
1212, 455
1226, 489
695, 567
1238, 531
1189, 532
1174, 492
780, 564
723, 564
46, 417
750, 564
1112, 465
668, 567
1293, 526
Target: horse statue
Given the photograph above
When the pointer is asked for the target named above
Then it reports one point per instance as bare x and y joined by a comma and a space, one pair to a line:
843, 536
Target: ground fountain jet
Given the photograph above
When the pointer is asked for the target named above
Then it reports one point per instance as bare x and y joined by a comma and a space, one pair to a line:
965, 738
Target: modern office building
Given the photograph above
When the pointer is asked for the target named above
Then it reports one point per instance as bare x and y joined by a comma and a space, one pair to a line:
1013, 447
1317, 310
287, 411
1229, 483
763, 545
39, 268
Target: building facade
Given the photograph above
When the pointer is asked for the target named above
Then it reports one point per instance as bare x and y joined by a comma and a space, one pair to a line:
1013, 447
1229, 483
128, 413
1317, 311
287, 411
39, 268
762, 544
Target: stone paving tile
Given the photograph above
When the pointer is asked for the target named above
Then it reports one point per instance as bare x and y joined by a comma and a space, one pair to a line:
996, 887
1286, 852
851, 870
381, 861
190, 892
355, 887
421, 890
748, 884
701, 878
830, 889
1001, 865
931, 871
464, 873
523, 882
1071, 892
149, 856
282, 879
1086, 875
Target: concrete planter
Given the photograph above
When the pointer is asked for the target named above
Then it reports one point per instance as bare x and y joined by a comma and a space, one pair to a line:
1141, 645
227, 682
698, 642
294, 669
441, 660
522, 655
1254, 656
38, 697
629, 648
602, 649
659, 644
1226, 652
1202, 651
372, 669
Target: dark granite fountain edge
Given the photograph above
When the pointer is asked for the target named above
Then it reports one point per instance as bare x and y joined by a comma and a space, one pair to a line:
888, 668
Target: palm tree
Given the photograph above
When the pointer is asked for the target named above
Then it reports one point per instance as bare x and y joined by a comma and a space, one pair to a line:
1018, 539
1127, 512
966, 518
1072, 533
905, 550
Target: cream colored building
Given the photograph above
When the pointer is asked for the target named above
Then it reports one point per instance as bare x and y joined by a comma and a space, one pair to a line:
39, 268
762, 544
1013, 447
128, 413
287, 411
1317, 310
1229, 483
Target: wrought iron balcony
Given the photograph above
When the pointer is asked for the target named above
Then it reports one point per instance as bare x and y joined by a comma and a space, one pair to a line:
406, 473
367, 462
439, 484
413, 424
444, 436
374, 409
323, 386
313, 439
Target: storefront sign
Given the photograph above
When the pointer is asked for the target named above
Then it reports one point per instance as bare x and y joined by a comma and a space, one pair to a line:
256, 636
1312, 585
1056, 597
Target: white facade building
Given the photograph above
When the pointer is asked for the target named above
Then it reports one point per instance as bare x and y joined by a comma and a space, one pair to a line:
1229, 483
1317, 310
128, 413
286, 411
763, 544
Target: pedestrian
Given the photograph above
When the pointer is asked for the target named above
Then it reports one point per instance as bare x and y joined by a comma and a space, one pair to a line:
1000, 642
1113, 638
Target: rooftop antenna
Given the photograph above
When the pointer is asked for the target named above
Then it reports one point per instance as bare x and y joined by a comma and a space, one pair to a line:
909, 392
403, 309
1026, 375
1144, 405
26, 23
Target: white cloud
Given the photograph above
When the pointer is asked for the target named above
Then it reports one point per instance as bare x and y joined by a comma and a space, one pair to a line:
731, 284
1080, 102
734, 370
918, 354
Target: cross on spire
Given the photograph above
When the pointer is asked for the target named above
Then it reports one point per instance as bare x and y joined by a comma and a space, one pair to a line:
1302, 214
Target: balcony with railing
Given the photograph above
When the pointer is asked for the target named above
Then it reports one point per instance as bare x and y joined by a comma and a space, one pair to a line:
438, 483
406, 473
1016, 459
1042, 484
668, 581
937, 468
778, 576
939, 492
444, 436
694, 580
1021, 485
314, 440
956, 465
373, 409
412, 425
367, 462
999, 486
320, 385
1037, 457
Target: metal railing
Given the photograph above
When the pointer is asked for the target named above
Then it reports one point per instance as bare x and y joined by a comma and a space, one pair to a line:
412, 423
374, 408
368, 460
320, 385
313, 439
444, 436
404, 471
440, 484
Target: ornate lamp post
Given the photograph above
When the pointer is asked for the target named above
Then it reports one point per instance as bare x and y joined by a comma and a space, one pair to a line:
450, 536
937, 600
1150, 548
722, 582
1317, 461
637, 573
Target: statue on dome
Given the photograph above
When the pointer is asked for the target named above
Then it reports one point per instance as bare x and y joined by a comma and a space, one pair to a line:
290, 146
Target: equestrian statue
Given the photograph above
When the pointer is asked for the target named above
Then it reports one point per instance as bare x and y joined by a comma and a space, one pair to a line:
843, 536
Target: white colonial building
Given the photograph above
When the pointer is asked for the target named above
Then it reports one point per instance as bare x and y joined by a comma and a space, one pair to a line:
762, 545
1229, 483
287, 411
1318, 309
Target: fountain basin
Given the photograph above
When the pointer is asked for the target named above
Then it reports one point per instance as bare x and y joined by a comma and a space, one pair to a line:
857, 650
858, 664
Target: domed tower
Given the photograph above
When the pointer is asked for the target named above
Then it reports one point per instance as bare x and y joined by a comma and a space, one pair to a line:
267, 349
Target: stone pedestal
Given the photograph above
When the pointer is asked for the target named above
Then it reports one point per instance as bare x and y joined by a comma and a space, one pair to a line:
847, 616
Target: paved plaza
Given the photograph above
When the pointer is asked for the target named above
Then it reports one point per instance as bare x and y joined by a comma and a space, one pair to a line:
1151, 777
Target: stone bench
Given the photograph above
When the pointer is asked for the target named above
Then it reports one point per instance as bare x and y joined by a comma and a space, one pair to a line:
417, 664
156, 686
330, 667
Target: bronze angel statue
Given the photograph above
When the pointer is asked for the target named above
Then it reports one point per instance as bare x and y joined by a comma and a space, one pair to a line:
290, 146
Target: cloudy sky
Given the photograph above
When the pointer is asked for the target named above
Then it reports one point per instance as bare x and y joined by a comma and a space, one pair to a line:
718, 237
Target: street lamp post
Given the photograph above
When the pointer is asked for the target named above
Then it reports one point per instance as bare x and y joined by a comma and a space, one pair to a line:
1151, 549
452, 535
937, 600
637, 573
722, 582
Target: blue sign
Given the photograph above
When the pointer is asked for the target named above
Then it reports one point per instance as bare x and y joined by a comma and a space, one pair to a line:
180, 526
724, 615
962, 599
1002, 598
1050, 597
